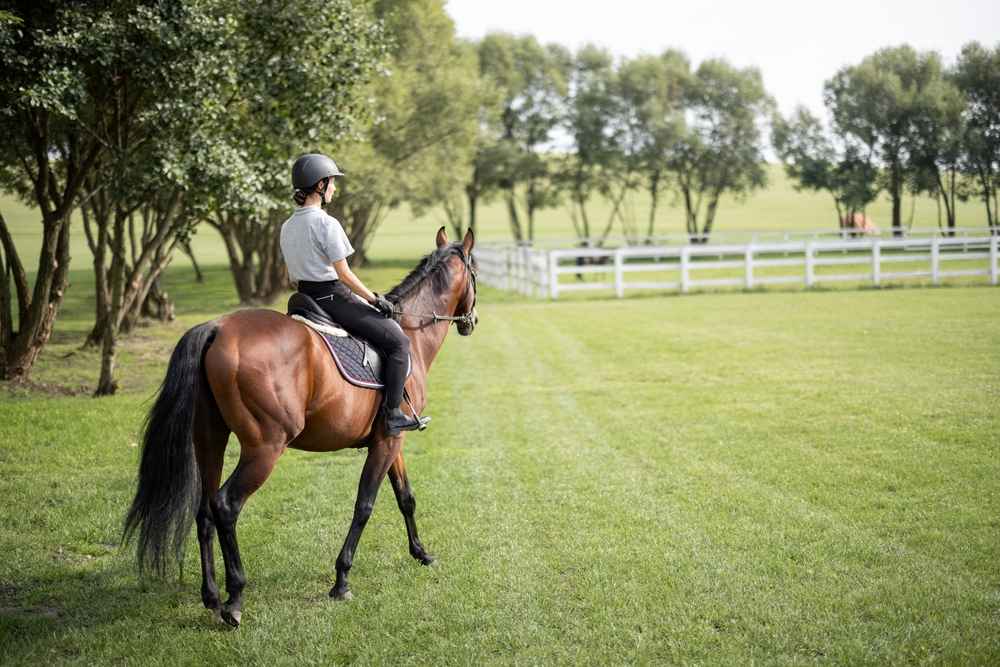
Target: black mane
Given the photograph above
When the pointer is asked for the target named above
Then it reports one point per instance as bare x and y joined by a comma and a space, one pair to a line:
433, 266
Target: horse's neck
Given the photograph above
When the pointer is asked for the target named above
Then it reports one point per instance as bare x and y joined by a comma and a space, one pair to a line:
426, 336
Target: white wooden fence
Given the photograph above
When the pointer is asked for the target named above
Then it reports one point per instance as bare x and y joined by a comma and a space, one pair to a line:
540, 272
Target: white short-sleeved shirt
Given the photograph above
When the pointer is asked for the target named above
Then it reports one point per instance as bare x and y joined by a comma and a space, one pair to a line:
311, 241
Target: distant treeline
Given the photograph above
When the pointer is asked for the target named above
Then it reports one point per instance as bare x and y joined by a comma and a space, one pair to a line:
153, 118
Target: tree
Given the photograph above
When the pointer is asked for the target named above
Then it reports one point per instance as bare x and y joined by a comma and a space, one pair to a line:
977, 75
47, 154
882, 103
590, 119
721, 150
423, 127
531, 81
159, 67
814, 160
651, 90
939, 137
297, 84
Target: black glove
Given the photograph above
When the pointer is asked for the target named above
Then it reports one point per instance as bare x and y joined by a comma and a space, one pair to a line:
384, 306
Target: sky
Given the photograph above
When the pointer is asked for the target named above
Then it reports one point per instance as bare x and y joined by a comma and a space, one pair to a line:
796, 45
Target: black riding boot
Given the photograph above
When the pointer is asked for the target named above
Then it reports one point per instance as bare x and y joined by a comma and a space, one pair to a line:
396, 421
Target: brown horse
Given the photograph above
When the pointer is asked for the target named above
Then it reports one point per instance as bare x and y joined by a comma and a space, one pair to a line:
270, 380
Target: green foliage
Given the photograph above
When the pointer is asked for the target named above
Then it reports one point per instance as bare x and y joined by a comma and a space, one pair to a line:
531, 84
813, 160
721, 149
421, 132
892, 105
591, 119
977, 74
651, 121
295, 84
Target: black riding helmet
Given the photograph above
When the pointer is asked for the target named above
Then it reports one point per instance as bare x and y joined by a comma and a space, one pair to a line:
312, 168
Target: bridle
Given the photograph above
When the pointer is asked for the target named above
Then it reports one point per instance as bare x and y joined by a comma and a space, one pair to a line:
468, 319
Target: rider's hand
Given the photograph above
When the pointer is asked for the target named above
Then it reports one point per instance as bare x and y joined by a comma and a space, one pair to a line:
384, 306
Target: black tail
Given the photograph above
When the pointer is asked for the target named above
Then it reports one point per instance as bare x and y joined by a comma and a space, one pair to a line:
169, 483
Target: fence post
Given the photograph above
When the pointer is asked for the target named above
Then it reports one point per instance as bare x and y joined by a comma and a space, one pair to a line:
994, 251
522, 281
748, 269
553, 275
619, 273
876, 262
685, 268
810, 266
935, 261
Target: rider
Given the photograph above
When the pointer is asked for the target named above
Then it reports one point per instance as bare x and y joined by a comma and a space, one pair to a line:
316, 249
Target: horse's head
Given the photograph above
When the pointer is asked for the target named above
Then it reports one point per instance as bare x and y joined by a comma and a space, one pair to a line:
465, 286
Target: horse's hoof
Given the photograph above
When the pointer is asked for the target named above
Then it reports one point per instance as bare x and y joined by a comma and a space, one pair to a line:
342, 596
216, 614
427, 559
232, 618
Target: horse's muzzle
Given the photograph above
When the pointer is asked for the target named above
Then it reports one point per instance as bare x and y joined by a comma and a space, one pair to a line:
466, 327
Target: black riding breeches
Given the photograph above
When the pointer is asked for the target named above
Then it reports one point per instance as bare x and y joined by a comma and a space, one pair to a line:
363, 321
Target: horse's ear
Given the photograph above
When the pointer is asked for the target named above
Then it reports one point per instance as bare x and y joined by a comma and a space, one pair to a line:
442, 238
468, 242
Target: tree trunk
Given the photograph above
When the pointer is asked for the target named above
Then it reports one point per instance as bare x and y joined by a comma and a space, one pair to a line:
713, 207
616, 204
96, 211
157, 304
198, 276
581, 204
106, 384
949, 200
654, 194
515, 220
895, 191
984, 180
531, 210
37, 317
690, 215
473, 197
242, 280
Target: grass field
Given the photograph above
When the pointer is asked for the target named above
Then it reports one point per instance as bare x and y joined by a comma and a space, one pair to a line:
777, 477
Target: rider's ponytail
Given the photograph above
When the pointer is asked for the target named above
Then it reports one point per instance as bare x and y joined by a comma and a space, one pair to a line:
300, 195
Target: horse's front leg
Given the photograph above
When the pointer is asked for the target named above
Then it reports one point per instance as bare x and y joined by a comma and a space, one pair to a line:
407, 506
381, 453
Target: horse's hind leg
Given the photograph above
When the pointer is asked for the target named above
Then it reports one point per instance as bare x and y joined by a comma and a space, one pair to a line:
381, 455
407, 505
255, 464
210, 437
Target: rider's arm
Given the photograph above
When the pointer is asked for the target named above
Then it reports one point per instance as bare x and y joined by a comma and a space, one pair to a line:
348, 278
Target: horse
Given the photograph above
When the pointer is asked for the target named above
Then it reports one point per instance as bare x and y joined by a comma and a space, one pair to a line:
269, 380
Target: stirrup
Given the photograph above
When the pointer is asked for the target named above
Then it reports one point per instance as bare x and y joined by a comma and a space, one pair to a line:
422, 422
410, 423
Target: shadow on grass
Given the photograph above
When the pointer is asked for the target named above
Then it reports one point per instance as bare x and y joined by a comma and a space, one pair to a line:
49, 613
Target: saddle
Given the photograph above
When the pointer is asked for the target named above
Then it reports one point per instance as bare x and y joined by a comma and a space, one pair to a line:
357, 360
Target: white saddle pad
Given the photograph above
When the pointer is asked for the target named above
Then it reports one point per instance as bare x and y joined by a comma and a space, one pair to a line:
322, 328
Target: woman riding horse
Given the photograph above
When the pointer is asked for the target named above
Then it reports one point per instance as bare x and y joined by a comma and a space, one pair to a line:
270, 380
316, 249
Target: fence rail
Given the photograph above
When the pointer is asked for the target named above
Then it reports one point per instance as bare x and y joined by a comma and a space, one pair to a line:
541, 272
747, 237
